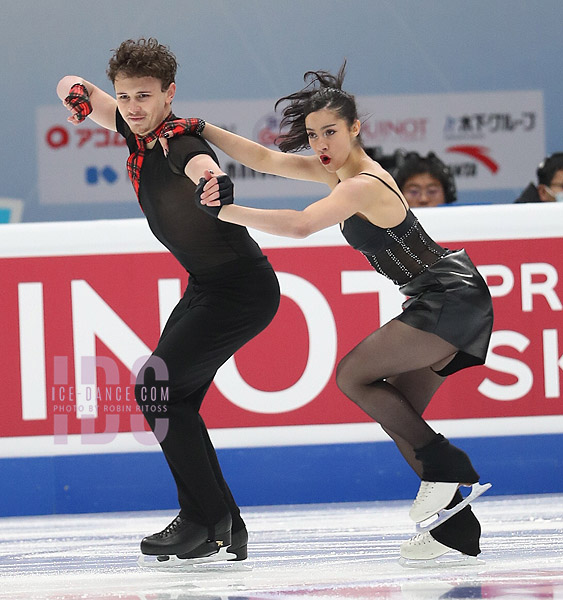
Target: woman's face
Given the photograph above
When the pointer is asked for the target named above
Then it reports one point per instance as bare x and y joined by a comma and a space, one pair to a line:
330, 137
423, 190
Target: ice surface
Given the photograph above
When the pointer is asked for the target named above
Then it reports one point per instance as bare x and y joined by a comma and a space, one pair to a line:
318, 551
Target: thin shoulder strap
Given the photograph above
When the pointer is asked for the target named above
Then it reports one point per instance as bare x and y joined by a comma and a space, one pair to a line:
387, 185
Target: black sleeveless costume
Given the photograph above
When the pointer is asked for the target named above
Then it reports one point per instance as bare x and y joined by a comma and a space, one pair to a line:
232, 295
446, 294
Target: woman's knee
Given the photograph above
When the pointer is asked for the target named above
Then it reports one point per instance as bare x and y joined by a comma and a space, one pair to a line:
347, 377
341, 375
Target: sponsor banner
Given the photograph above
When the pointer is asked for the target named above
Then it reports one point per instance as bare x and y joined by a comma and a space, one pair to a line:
480, 135
80, 321
79, 164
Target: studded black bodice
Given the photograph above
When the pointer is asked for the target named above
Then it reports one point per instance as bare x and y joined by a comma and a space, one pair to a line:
399, 253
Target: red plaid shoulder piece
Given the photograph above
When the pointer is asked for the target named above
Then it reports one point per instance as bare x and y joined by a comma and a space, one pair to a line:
168, 128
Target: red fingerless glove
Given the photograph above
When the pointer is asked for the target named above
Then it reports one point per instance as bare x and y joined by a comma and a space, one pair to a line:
79, 100
182, 127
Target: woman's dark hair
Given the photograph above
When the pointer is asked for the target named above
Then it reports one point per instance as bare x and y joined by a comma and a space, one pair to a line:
143, 58
410, 164
323, 90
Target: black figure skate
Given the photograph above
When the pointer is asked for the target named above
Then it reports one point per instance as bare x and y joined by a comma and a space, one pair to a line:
186, 543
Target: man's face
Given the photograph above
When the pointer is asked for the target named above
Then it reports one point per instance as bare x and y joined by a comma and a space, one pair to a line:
423, 190
142, 103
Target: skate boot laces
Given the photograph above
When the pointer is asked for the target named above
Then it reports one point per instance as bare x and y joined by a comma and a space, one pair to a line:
170, 528
420, 539
423, 546
424, 491
432, 497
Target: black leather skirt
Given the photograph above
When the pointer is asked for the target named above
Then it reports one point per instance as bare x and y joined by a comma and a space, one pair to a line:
452, 300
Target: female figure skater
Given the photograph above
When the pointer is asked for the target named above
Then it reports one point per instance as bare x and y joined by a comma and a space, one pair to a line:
447, 319
232, 291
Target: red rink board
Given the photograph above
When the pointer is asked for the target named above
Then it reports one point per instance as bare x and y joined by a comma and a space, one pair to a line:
522, 377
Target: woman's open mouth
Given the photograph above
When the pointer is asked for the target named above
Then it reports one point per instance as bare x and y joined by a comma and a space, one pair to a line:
325, 159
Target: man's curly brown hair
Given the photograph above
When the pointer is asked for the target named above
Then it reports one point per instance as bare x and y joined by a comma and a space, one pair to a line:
143, 58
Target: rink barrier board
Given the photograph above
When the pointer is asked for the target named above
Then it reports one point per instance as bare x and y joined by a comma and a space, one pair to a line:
303, 443
268, 476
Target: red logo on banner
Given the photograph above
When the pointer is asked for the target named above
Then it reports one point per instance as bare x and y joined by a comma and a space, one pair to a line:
479, 153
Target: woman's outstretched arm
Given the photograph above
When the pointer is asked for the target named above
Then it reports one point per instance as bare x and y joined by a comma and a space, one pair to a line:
264, 160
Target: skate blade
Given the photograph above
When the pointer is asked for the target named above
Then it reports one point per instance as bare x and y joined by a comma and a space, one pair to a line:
447, 513
461, 560
222, 560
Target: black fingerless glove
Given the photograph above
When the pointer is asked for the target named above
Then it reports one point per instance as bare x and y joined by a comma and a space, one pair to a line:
226, 194
79, 100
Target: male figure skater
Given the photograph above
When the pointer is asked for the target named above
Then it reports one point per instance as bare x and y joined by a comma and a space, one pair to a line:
232, 292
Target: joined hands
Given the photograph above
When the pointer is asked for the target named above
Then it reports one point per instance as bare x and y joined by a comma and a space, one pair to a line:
213, 192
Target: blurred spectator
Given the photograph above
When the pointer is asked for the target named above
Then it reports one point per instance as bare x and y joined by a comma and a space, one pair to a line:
425, 180
550, 182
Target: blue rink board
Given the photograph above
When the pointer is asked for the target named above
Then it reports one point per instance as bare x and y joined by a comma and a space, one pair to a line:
267, 476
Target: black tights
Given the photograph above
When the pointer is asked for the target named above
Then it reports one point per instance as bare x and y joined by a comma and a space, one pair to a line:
390, 375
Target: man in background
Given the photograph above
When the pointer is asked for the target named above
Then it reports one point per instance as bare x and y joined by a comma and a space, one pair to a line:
550, 182
425, 180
